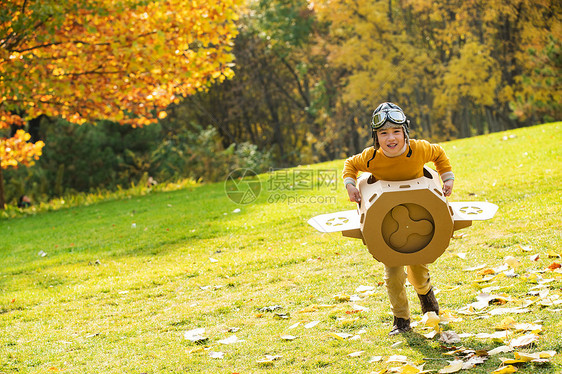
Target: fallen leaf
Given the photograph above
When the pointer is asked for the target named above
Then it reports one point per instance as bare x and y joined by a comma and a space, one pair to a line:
294, 326
430, 319
231, 340
534, 257
554, 265
547, 354
524, 340
511, 361
375, 359
505, 370
473, 361
309, 309
363, 289
268, 359
311, 324
527, 327
195, 335
397, 358
356, 354
431, 334
382, 371
449, 337
281, 316
446, 316
359, 308
396, 345
496, 335
461, 255
340, 335
453, 367
454, 351
500, 311
410, 369
486, 271
217, 355
270, 308
512, 261
506, 324
341, 298
288, 337
552, 254
501, 349
473, 268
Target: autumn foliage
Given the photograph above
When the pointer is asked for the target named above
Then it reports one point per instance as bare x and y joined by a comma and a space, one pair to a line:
119, 60
124, 61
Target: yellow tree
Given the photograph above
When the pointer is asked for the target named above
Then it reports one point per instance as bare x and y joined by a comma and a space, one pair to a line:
457, 67
122, 60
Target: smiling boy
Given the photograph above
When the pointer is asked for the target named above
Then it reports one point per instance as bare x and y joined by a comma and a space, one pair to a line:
394, 157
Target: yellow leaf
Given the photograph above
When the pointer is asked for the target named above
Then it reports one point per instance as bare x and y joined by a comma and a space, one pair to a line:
340, 298
453, 367
505, 324
505, 370
509, 361
524, 340
309, 309
430, 319
339, 336
512, 261
410, 369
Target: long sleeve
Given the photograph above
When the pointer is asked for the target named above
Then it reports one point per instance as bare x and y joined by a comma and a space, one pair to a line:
355, 164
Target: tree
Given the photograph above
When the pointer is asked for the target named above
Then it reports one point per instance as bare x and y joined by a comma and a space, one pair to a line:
15, 151
457, 67
124, 61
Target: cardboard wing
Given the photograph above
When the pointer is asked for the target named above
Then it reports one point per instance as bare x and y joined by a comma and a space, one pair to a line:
406, 222
346, 221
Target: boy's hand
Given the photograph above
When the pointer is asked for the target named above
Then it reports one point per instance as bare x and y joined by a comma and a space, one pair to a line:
448, 187
353, 192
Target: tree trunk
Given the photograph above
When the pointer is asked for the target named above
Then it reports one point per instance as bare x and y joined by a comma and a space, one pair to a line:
2, 199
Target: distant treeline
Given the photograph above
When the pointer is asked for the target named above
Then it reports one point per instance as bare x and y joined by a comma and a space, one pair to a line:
308, 75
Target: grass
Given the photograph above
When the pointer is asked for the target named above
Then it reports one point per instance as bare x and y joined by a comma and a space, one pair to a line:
113, 286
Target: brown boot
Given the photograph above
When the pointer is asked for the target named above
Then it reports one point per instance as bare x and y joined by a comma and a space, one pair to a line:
400, 326
429, 302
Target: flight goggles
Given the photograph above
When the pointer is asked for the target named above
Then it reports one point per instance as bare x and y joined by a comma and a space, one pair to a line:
392, 115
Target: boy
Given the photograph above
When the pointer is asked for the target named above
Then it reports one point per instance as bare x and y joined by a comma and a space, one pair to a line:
395, 157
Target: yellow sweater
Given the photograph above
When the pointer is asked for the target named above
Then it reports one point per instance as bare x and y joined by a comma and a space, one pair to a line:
408, 165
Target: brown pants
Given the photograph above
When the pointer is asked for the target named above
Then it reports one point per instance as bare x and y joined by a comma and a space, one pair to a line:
395, 279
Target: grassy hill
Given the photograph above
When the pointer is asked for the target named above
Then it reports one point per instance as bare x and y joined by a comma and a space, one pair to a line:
113, 287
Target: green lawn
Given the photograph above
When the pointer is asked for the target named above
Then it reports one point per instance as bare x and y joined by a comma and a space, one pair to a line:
114, 286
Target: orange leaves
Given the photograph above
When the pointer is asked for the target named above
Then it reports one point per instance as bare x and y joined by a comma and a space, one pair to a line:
7, 119
108, 58
17, 150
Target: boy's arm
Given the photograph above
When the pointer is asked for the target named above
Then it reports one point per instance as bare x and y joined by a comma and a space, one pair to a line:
351, 168
443, 166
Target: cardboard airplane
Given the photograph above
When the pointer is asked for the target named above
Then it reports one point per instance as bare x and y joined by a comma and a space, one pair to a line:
406, 222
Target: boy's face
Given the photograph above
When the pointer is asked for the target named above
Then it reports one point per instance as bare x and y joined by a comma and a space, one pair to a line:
392, 140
